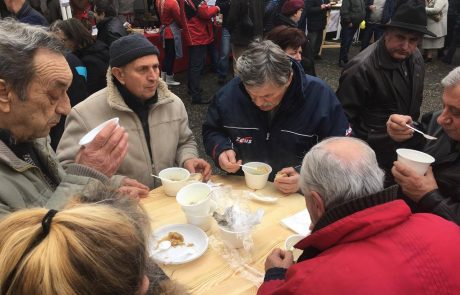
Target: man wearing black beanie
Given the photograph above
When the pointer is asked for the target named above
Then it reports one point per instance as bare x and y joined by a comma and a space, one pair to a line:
154, 117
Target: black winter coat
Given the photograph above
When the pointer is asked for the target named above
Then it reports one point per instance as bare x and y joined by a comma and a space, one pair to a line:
96, 60
445, 201
371, 88
110, 29
316, 17
239, 9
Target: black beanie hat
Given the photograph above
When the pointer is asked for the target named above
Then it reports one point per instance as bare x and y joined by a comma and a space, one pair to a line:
128, 48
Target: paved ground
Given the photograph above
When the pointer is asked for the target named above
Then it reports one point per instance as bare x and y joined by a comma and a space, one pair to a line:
328, 70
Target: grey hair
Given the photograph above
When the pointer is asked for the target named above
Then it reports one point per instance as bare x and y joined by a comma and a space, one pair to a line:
452, 79
338, 179
18, 45
263, 62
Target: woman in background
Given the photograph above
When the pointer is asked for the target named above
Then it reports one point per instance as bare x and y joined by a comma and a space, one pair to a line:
436, 11
93, 53
294, 42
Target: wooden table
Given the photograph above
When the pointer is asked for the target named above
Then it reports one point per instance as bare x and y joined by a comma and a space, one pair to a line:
211, 273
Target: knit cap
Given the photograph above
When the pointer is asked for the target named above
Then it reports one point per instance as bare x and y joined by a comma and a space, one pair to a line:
291, 6
128, 48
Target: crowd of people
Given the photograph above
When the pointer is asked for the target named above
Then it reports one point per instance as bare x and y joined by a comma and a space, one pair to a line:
377, 225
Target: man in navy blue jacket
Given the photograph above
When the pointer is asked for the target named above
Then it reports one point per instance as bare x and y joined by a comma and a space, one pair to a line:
25, 13
273, 113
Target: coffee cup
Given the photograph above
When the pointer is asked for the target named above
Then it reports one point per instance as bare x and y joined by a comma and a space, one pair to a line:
416, 160
256, 178
195, 199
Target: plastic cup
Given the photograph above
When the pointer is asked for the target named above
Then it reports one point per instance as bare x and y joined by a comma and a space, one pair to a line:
231, 238
202, 221
289, 245
416, 160
88, 137
195, 199
256, 179
173, 179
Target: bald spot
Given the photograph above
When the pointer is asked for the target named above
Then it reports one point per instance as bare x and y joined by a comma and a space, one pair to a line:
52, 69
346, 149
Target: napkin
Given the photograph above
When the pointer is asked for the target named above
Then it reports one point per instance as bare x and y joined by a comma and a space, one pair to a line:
299, 222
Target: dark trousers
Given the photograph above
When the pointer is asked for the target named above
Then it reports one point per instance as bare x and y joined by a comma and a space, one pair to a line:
315, 38
170, 56
346, 38
453, 42
371, 29
197, 57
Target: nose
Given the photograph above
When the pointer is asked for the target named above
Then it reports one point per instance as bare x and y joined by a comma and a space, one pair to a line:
443, 118
153, 73
63, 107
405, 45
258, 101
298, 56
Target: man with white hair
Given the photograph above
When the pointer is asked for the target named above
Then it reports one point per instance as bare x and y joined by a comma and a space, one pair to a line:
438, 191
363, 240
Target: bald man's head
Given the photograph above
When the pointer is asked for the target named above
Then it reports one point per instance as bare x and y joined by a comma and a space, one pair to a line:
340, 169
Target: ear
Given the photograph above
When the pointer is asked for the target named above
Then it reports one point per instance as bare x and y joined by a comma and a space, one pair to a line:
318, 203
119, 74
290, 78
5, 97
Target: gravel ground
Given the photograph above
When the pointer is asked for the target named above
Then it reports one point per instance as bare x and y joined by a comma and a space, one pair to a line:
327, 69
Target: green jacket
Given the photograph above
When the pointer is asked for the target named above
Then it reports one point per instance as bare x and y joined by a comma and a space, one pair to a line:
23, 185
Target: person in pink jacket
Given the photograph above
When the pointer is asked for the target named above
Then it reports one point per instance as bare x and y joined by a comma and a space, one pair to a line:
364, 240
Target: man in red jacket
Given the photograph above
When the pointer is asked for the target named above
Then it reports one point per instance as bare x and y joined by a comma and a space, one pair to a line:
198, 33
363, 240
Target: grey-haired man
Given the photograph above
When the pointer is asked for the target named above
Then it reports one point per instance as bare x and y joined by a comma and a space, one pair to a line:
34, 77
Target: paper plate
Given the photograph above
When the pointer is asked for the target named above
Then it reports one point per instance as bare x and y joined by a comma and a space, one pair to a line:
195, 244
88, 137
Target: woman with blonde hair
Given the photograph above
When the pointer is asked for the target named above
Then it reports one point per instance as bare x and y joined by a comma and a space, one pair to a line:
98, 248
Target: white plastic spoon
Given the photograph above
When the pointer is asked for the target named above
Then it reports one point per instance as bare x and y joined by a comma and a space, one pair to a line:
424, 135
162, 246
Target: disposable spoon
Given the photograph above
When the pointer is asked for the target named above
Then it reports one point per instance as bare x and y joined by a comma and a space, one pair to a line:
424, 135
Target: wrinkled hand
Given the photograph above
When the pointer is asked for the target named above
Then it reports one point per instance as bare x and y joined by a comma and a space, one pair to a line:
197, 165
414, 186
107, 150
288, 184
397, 129
133, 188
279, 258
228, 162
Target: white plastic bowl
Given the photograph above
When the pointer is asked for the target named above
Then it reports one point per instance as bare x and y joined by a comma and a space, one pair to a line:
289, 245
233, 239
195, 199
416, 160
173, 179
254, 179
